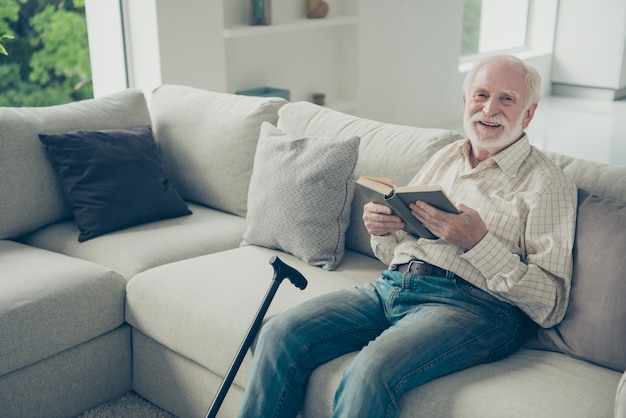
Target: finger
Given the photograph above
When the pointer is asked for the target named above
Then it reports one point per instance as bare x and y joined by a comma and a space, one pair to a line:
424, 212
377, 208
465, 209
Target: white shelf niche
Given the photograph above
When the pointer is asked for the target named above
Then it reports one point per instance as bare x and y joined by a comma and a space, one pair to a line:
241, 31
303, 55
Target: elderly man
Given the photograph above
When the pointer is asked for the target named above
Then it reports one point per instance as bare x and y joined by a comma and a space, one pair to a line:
446, 304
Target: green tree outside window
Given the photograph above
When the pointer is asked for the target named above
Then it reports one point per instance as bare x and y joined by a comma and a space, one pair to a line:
471, 27
48, 58
3, 50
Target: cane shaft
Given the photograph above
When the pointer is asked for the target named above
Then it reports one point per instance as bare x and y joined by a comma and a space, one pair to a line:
243, 349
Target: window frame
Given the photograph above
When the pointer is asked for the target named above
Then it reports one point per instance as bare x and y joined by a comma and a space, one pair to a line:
540, 32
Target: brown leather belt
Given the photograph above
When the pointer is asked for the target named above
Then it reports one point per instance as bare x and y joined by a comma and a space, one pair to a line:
420, 268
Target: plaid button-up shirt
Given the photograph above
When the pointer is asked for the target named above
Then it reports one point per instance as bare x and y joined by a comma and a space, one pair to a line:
529, 206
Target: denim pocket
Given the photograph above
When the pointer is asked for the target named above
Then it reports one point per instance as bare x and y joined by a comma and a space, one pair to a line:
394, 278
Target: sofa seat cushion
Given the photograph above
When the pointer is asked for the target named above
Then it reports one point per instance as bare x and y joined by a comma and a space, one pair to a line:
132, 250
386, 150
202, 307
529, 383
31, 194
50, 302
69, 383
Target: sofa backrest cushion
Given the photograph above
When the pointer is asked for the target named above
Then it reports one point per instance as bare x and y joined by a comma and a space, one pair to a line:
600, 179
594, 328
32, 195
386, 150
208, 141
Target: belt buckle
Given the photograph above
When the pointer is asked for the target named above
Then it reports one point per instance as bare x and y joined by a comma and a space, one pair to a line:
408, 268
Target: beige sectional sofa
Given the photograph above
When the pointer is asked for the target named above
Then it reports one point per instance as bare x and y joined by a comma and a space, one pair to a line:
161, 307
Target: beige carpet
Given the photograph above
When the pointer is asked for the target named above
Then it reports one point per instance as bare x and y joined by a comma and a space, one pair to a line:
129, 405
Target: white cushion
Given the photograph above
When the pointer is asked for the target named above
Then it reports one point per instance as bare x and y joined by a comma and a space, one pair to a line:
31, 192
188, 306
50, 302
133, 250
529, 383
208, 140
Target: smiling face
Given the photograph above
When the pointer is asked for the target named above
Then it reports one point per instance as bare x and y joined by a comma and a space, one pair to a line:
496, 108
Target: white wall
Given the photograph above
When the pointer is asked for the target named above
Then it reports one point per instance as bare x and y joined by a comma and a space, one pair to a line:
409, 58
187, 32
167, 42
590, 50
294, 53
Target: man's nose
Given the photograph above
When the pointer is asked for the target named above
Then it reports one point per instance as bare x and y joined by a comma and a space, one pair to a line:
491, 107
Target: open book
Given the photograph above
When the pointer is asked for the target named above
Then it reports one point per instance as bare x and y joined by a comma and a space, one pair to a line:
383, 191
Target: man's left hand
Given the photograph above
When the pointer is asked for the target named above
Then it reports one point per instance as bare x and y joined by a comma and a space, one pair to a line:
465, 229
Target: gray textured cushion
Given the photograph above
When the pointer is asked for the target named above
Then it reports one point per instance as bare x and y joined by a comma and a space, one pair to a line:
207, 141
386, 150
300, 195
31, 193
594, 328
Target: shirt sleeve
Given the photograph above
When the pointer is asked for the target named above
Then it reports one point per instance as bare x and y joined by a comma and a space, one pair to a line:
384, 246
539, 285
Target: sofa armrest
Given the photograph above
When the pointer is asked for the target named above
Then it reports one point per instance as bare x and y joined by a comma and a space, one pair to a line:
620, 398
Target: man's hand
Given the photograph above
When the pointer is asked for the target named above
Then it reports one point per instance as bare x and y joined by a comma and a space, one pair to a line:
465, 229
378, 219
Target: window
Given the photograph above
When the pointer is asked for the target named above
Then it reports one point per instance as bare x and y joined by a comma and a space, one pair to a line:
48, 58
494, 25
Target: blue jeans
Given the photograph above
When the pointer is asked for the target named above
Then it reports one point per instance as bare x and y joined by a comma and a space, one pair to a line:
408, 330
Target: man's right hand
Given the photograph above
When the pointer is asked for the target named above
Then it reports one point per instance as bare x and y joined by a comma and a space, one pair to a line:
378, 219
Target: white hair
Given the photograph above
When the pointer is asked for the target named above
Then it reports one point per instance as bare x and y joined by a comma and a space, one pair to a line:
532, 78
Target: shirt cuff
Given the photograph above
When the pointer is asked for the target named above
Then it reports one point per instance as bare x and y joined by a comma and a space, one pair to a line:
489, 256
385, 239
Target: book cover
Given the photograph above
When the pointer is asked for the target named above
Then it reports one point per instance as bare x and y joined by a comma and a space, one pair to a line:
383, 191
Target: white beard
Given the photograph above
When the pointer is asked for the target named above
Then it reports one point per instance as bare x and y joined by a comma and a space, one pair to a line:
484, 140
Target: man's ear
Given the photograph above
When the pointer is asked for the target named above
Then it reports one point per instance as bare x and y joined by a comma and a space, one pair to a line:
528, 116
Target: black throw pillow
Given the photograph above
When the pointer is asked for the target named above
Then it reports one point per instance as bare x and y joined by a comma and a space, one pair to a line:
113, 179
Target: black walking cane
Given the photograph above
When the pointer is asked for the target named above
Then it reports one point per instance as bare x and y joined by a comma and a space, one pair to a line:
281, 271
